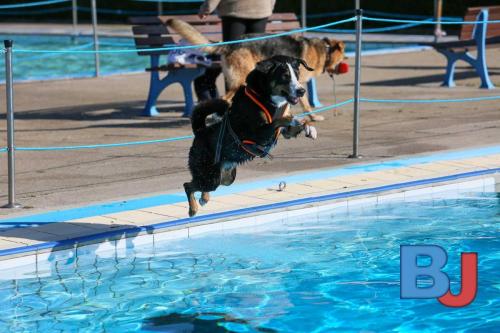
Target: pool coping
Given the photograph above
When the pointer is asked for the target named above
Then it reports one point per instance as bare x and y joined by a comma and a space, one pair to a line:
357, 169
389, 190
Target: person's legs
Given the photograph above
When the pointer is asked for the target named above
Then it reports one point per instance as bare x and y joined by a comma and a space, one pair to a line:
233, 28
204, 85
256, 26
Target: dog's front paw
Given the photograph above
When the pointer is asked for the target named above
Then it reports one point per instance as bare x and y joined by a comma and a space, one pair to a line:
310, 132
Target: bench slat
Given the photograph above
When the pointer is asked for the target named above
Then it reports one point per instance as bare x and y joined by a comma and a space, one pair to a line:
150, 30
283, 17
282, 26
204, 29
491, 31
211, 37
270, 27
150, 53
476, 10
471, 15
491, 17
465, 44
153, 40
195, 20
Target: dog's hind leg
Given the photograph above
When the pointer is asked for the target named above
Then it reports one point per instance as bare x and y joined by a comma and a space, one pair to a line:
193, 206
205, 197
228, 173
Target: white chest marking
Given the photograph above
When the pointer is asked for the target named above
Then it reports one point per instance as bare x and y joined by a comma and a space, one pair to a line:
279, 101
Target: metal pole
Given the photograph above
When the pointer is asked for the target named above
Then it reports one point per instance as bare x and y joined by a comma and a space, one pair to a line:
303, 13
10, 125
75, 17
160, 8
96, 38
357, 81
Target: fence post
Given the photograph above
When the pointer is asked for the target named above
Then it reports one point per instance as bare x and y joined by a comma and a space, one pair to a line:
11, 158
96, 38
75, 18
357, 81
303, 13
160, 8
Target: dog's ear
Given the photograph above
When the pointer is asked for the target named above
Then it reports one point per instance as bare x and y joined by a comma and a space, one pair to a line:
303, 63
334, 44
257, 79
265, 66
339, 45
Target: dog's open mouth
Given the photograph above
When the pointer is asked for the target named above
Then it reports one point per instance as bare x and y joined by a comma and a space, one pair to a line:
290, 99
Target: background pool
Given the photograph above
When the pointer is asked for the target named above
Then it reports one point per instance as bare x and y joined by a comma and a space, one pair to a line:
335, 271
50, 66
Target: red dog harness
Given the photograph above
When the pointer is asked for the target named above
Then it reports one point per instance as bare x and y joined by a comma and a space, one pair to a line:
250, 146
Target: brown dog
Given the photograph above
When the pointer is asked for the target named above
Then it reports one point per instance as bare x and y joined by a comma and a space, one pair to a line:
239, 59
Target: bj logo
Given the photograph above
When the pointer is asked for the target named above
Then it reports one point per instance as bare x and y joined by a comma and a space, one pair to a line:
411, 272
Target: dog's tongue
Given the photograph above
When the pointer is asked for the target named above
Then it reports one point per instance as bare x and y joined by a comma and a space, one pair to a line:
342, 68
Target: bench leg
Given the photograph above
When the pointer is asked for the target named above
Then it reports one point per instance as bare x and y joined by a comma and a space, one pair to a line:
154, 91
312, 93
150, 108
182, 76
479, 64
451, 62
482, 69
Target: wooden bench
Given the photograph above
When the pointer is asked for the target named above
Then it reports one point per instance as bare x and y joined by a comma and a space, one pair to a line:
472, 36
151, 32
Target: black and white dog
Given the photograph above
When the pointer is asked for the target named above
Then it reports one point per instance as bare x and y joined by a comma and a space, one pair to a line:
249, 128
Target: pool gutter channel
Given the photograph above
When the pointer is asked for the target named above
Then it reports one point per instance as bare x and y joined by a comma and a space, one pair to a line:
245, 213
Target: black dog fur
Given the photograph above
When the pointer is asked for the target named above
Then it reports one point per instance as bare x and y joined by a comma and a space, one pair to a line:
247, 121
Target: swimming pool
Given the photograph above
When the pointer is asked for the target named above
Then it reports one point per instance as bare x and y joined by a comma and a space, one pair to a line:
335, 268
38, 66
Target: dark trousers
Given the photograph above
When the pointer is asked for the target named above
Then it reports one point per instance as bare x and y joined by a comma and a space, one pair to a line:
233, 28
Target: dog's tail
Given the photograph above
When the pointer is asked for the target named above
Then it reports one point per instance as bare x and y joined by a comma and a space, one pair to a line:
189, 33
203, 110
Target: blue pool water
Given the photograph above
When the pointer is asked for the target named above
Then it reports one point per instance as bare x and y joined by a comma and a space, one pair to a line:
36, 66
42, 66
332, 271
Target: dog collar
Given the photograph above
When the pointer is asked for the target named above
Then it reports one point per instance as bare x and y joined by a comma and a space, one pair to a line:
253, 96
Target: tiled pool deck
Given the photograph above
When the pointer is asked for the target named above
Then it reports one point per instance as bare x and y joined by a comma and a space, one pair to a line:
23, 236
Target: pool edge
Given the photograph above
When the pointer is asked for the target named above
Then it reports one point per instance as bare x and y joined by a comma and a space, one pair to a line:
184, 224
